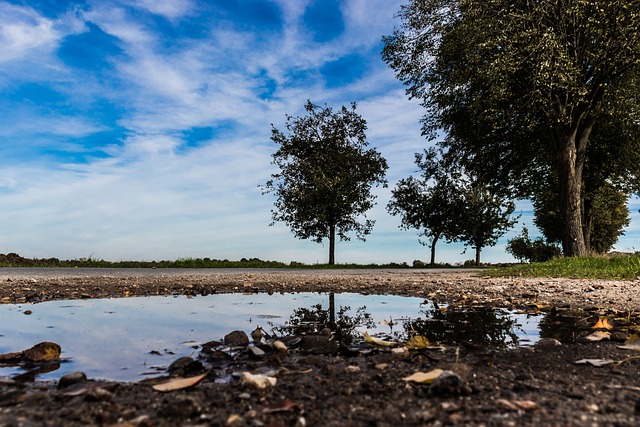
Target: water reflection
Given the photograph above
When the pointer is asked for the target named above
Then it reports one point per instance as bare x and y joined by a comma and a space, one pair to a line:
128, 339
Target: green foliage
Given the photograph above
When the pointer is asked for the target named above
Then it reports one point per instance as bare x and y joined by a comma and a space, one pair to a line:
520, 87
606, 215
429, 203
524, 249
15, 260
620, 267
446, 202
326, 175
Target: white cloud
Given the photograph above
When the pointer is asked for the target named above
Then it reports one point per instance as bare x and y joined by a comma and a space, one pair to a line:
24, 32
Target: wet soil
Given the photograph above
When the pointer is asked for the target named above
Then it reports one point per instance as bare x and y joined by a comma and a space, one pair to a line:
538, 385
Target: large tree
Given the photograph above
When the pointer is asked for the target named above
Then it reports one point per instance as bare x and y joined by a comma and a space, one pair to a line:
326, 175
518, 86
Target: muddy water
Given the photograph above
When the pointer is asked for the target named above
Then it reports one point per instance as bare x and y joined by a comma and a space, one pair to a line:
128, 339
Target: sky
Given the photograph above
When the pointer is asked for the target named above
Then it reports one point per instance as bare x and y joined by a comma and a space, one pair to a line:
140, 129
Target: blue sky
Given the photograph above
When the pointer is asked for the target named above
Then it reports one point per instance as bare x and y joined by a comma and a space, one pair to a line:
140, 129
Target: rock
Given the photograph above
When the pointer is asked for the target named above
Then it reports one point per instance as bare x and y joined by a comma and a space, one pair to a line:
256, 352
185, 366
279, 347
236, 339
182, 408
71, 379
43, 352
318, 344
448, 384
257, 381
548, 342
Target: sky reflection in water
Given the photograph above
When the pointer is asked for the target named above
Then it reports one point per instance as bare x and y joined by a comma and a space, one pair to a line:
118, 339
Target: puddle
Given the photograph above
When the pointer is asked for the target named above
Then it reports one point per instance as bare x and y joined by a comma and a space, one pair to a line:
129, 339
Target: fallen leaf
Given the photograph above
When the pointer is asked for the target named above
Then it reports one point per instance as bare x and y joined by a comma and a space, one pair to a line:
180, 383
417, 342
257, 381
377, 341
603, 323
514, 405
595, 362
632, 343
424, 377
284, 406
598, 336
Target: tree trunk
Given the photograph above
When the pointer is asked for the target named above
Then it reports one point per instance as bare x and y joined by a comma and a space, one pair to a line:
478, 249
587, 211
571, 149
332, 244
433, 248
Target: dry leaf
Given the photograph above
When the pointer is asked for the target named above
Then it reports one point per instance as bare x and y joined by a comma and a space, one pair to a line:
603, 323
179, 383
514, 405
284, 406
418, 342
424, 377
377, 341
632, 343
595, 362
598, 336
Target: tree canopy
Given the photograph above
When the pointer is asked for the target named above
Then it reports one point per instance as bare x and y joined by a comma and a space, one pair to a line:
448, 202
326, 175
520, 87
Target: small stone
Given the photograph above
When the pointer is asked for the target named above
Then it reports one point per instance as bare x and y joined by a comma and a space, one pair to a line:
28, 312
448, 384
352, 369
318, 344
236, 339
71, 379
185, 366
279, 346
43, 352
548, 342
256, 352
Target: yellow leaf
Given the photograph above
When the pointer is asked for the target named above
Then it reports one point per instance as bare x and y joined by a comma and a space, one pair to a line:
424, 377
179, 383
632, 343
377, 341
417, 342
603, 323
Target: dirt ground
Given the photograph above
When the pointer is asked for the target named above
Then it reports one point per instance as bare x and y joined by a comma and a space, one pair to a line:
319, 382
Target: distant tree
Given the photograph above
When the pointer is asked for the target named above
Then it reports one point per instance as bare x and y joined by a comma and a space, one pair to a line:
427, 203
485, 217
326, 175
447, 202
524, 249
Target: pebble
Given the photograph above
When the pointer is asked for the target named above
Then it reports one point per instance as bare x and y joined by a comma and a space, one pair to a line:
448, 384
71, 379
236, 339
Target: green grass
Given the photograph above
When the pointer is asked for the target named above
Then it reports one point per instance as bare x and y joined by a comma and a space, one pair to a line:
620, 267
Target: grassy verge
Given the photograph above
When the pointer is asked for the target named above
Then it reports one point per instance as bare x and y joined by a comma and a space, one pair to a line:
620, 267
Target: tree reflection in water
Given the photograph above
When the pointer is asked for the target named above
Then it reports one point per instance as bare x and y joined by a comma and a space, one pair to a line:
314, 319
484, 326
478, 325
